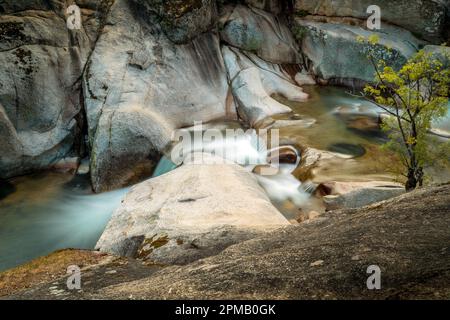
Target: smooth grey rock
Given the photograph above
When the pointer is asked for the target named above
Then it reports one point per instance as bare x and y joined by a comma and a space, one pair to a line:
67, 165
84, 166
40, 63
253, 81
326, 258
276, 7
260, 32
336, 54
140, 87
194, 211
303, 78
181, 21
425, 18
341, 195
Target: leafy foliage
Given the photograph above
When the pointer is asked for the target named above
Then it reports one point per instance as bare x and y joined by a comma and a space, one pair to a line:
412, 97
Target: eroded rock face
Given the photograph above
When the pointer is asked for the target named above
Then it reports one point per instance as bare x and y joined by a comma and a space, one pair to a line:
140, 87
338, 57
425, 18
277, 7
146, 69
40, 63
194, 211
181, 21
253, 81
254, 30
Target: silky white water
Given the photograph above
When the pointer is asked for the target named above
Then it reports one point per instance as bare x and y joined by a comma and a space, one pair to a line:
50, 212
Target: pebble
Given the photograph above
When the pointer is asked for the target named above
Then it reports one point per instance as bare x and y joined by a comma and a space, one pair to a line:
317, 263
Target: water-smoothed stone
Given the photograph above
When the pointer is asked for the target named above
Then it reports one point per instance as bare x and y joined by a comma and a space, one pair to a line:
84, 166
303, 78
67, 165
258, 31
283, 154
254, 81
425, 18
265, 169
299, 123
196, 210
140, 87
326, 258
276, 7
40, 63
337, 57
181, 21
338, 195
360, 118
313, 159
355, 150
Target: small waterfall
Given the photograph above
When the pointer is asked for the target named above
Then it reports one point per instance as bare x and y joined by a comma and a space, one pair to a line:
249, 151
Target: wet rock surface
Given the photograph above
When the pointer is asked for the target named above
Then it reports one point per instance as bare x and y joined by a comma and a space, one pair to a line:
137, 70
140, 87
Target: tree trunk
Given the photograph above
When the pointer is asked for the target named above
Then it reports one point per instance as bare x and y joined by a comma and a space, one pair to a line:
411, 183
420, 176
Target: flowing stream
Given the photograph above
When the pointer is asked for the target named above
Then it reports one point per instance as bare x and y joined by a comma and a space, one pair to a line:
45, 212
51, 211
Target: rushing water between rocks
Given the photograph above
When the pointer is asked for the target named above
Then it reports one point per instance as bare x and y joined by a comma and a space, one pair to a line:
45, 212
51, 211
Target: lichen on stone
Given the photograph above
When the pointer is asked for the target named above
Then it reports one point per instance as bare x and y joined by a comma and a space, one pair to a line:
12, 31
150, 244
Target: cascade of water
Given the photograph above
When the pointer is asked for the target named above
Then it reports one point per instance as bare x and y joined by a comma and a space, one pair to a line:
249, 151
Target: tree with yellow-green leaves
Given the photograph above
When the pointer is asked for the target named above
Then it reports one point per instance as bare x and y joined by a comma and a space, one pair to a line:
413, 97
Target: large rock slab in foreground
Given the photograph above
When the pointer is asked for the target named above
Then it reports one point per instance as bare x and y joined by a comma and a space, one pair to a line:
189, 213
407, 237
327, 258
